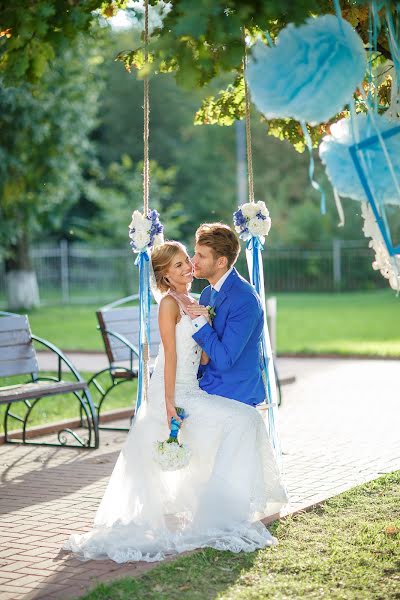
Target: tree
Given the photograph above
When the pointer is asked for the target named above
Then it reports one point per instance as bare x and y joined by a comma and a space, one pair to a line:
44, 150
204, 159
112, 195
200, 40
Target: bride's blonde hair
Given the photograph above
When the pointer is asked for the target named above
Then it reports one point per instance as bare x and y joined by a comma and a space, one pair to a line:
161, 259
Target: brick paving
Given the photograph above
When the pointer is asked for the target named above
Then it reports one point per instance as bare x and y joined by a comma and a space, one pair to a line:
339, 428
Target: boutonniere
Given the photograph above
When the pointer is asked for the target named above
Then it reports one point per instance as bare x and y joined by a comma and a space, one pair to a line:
211, 312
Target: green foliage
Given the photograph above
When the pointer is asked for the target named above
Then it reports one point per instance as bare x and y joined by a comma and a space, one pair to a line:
200, 41
118, 190
34, 33
44, 142
225, 108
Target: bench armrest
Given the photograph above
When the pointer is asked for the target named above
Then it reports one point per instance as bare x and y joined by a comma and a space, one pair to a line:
61, 358
134, 351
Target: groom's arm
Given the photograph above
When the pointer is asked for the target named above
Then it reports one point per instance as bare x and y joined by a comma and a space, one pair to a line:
240, 325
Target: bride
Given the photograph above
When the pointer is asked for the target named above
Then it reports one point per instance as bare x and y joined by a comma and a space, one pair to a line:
232, 480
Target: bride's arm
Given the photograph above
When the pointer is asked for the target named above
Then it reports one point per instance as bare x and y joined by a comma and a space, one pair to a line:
167, 319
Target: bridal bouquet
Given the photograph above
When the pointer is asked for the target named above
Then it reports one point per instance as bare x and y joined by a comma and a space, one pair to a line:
171, 455
252, 219
145, 231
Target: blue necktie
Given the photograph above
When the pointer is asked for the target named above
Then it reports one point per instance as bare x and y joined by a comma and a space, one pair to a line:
213, 296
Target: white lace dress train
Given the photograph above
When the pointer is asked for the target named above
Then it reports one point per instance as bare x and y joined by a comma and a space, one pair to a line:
231, 482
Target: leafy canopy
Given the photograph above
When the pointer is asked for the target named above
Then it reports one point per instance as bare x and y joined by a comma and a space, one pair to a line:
200, 41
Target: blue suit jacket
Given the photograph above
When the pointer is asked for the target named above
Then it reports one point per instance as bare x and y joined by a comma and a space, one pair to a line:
233, 342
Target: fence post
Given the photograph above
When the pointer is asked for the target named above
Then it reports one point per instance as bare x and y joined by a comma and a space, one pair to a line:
337, 264
64, 271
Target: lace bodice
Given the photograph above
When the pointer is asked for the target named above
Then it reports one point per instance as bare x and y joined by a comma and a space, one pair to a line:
188, 354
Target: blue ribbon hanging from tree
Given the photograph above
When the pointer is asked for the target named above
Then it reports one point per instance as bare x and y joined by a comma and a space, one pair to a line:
142, 261
254, 261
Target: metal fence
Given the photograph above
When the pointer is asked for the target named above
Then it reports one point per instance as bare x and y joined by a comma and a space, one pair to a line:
75, 273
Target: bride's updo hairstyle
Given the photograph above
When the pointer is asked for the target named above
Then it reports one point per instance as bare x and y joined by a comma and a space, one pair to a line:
161, 259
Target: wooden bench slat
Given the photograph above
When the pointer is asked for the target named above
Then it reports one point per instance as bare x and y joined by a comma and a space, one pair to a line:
14, 338
18, 367
127, 314
28, 391
132, 338
123, 353
125, 321
13, 323
121, 314
21, 351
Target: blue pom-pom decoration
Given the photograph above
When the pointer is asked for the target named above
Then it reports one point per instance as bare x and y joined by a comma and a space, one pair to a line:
310, 73
335, 155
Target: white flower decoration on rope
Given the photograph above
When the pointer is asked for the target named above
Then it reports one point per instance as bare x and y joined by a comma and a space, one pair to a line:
311, 71
252, 219
334, 153
145, 231
389, 266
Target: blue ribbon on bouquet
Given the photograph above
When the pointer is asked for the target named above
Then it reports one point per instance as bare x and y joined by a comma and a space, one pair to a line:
143, 262
253, 250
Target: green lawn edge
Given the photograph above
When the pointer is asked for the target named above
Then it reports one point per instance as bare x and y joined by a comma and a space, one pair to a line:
345, 324
346, 548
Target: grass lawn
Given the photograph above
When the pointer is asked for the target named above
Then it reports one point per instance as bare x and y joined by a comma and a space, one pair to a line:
346, 549
366, 323
56, 408
348, 323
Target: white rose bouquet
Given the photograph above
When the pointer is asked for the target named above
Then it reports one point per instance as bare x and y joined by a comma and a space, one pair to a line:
252, 220
171, 455
145, 231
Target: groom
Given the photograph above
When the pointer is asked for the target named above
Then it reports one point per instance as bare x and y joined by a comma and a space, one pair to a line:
232, 342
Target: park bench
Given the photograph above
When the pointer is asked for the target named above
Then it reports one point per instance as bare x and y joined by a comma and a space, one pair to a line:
18, 358
119, 327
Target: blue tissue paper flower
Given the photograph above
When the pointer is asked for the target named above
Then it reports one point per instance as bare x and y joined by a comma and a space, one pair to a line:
310, 73
334, 153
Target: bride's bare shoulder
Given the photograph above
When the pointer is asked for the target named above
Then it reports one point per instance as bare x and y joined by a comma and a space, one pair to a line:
169, 305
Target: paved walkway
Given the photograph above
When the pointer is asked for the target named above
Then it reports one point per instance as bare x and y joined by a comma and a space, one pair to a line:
339, 427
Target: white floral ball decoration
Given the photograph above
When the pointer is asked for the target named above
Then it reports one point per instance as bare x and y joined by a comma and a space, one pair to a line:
339, 166
252, 220
389, 266
311, 71
145, 232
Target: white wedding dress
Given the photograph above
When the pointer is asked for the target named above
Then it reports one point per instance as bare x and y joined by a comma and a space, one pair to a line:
231, 482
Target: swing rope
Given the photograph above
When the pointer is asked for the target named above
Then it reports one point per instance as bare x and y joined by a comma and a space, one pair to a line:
146, 181
146, 111
254, 259
248, 127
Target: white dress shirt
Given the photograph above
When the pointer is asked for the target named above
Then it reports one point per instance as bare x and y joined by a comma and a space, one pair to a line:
199, 322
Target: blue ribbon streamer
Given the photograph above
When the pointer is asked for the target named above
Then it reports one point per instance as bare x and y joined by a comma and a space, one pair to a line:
254, 245
314, 183
142, 261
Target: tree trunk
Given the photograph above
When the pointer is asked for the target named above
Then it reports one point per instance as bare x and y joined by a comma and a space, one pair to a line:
21, 282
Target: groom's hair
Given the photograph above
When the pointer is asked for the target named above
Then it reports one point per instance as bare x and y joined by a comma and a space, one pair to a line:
221, 239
